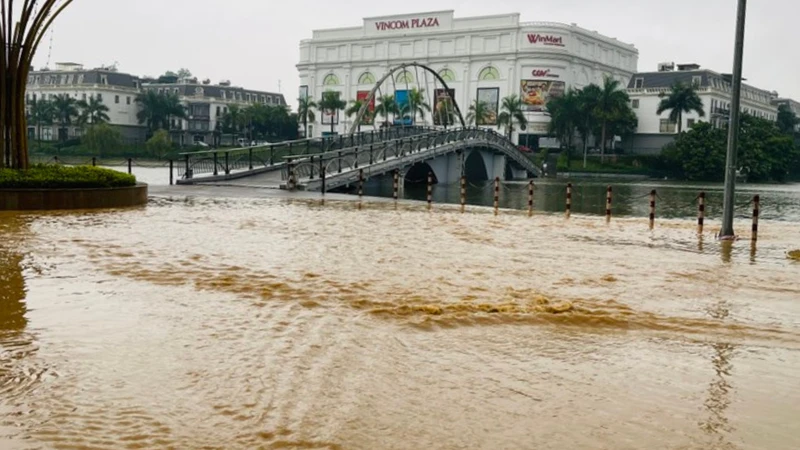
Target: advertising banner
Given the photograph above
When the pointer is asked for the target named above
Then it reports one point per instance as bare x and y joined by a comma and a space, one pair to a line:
443, 110
401, 100
536, 93
369, 116
491, 98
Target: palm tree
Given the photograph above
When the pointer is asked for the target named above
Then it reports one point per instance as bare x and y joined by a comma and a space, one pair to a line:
479, 113
565, 115
173, 108
511, 114
41, 113
65, 111
93, 111
305, 110
353, 110
416, 104
332, 104
386, 105
612, 104
682, 98
588, 99
151, 112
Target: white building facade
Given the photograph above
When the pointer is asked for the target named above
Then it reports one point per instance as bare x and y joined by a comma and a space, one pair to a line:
488, 57
114, 89
714, 89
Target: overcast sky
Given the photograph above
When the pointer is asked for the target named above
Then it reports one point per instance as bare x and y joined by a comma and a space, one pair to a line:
254, 43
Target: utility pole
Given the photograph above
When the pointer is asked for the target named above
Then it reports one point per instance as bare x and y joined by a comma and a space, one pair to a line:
733, 126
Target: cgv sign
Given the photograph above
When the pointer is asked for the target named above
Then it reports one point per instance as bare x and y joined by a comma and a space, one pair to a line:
404, 24
542, 73
546, 39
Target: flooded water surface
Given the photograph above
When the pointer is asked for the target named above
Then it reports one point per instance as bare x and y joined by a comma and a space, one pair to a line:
288, 324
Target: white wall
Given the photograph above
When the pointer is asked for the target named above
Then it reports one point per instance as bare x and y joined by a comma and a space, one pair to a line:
465, 46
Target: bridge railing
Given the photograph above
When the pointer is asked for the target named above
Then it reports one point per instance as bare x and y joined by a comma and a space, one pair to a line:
226, 161
339, 161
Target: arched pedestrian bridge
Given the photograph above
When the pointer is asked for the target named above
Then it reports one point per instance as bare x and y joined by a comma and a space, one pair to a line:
331, 163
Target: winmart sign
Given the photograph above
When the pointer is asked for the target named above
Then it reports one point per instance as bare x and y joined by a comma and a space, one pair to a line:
546, 39
406, 24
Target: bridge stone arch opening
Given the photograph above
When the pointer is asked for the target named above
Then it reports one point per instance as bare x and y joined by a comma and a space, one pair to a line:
390, 75
418, 174
475, 167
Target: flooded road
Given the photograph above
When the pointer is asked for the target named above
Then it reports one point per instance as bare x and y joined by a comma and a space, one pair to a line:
288, 324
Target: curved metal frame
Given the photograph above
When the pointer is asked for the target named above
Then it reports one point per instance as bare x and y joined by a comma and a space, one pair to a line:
391, 73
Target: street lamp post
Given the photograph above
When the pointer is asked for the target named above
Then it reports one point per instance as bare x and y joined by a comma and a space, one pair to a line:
733, 128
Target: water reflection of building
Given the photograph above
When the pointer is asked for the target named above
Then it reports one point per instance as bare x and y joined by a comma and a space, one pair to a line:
484, 58
12, 295
718, 398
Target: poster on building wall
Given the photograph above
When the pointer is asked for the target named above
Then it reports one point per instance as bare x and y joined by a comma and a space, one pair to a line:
369, 116
401, 100
536, 93
491, 98
303, 94
443, 109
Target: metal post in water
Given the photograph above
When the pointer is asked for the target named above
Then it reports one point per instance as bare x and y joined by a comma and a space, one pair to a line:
756, 213
652, 208
250, 157
311, 177
94, 161
608, 203
530, 198
130, 163
496, 195
171, 180
290, 170
360, 186
396, 185
463, 193
340, 160
272, 155
569, 199
187, 174
215, 164
733, 125
322, 176
430, 190
356, 157
701, 212
227, 164
370, 154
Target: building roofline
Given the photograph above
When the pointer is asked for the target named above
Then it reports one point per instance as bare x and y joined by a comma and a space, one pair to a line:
420, 13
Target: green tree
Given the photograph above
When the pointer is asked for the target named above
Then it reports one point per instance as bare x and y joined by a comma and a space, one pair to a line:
565, 115
588, 101
66, 112
172, 109
479, 113
93, 111
305, 111
159, 144
612, 105
332, 103
101, 137
353, 110
787, 120
511, 114
682, 98
417, 105
386, 106
41, 113
156, 110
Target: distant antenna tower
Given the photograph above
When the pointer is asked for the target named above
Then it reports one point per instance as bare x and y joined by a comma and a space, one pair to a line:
50, 50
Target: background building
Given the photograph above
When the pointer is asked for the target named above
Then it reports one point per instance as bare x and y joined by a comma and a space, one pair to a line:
487, 57
206, 105
115, 89
714, 89
793, 106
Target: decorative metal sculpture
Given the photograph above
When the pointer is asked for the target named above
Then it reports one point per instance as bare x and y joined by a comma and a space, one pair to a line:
20, 34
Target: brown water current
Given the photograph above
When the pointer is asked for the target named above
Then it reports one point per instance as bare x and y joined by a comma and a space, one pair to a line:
288, 324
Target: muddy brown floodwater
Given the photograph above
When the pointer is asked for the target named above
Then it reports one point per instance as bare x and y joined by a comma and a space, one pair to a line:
287, 324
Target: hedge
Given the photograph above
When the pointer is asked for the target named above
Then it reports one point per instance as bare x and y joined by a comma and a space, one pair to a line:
64, 177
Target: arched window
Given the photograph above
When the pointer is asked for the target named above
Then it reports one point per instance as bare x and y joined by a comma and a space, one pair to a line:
366, 78
447, 75
489, 74
405, 77
330, 80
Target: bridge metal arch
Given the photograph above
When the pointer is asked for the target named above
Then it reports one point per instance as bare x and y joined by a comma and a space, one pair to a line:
371, 96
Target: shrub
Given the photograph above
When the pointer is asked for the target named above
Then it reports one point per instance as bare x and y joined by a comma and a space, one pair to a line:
64, 177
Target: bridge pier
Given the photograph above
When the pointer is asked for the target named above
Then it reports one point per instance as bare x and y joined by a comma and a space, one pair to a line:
495, 165
447, 168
